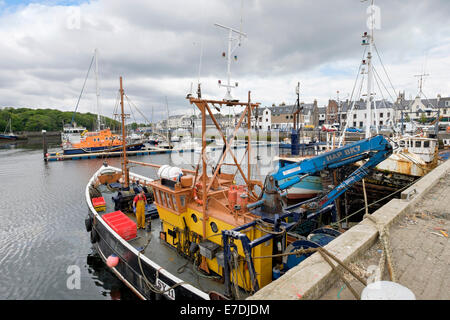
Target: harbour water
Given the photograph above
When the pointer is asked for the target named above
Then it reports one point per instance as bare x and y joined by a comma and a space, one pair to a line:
43, 241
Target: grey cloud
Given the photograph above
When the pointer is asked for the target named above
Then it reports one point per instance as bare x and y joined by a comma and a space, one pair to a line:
143, 40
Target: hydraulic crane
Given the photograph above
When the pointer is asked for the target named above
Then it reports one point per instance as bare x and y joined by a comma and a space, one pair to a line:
375, 149
370, 151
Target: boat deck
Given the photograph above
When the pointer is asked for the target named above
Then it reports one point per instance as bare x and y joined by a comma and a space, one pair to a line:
164, 255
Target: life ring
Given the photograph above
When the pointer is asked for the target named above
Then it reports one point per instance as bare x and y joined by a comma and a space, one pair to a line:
195, 190
88, 223
94, 236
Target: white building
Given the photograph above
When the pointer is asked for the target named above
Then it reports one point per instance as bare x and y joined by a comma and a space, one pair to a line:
382, 114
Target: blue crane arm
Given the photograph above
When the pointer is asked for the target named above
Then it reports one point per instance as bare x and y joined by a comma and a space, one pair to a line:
376, 149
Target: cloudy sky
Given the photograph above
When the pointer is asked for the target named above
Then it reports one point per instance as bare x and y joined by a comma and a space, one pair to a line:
161, 47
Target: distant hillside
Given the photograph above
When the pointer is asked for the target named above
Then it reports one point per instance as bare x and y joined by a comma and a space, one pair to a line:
25, 119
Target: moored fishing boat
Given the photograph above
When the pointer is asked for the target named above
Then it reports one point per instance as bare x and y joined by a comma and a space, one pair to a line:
98, 141
207, 237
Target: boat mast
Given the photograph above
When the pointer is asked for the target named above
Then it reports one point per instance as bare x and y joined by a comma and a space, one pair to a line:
97, 90
228, 96
368, 40
124, 143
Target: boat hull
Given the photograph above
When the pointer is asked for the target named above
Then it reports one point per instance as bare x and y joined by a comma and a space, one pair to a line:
309, 187
107, 242
7, 137
129, 272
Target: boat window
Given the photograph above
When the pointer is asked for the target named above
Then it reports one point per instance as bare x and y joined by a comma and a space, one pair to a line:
214, 227
174, 201
182, 201
169, 203
426, 144
157, 196
402, 143
418, 144
163, 198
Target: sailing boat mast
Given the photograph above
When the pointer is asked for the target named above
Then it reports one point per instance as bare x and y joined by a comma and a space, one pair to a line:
124, 142
97, 91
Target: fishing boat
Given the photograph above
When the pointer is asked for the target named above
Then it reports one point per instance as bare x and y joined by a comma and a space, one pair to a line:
414, 155
10, 135
205, 232
188, 143
78, 140
175, 138
308, 188
99, 141
72, 133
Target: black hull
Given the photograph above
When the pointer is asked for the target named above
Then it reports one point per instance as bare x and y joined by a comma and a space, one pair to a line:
129, 272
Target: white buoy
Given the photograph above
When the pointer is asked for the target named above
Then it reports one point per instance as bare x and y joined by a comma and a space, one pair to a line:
386, 290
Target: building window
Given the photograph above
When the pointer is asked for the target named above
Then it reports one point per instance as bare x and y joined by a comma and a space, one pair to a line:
381, 123
354, 116
365, 115
267, 112
354, 123
389, 115
381, 115
360, 124
267, 120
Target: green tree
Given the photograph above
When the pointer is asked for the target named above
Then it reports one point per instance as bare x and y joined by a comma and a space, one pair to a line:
423, 119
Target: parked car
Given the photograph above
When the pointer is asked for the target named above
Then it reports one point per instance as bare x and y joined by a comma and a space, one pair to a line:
329, 128
353, 129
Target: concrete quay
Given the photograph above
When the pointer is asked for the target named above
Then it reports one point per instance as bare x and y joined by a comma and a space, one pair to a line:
418, 224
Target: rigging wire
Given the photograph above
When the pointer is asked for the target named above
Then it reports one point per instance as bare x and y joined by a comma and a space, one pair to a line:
137, 109
351, 98
387, 75
350, 111
377, 75
82, 89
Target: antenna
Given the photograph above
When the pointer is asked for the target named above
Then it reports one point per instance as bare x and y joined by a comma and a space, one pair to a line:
420, 76
368, 40
231, 50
